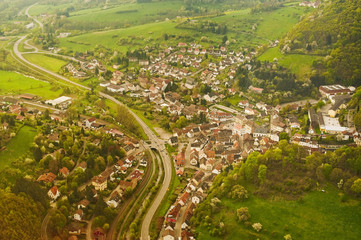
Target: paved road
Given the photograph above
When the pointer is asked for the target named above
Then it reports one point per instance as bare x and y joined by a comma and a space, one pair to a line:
156, 142
228, 109
35, 20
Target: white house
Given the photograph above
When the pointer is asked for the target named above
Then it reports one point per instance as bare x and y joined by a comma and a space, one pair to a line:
54, 193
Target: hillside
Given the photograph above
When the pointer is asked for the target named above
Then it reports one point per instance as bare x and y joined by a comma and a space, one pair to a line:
333, 31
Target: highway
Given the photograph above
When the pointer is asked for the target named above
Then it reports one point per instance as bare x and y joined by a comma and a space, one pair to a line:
156, 143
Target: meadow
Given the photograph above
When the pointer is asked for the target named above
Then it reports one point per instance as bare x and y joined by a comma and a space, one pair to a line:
17, 146
319, 215
299, 64
48, 9
50, 63
12, 83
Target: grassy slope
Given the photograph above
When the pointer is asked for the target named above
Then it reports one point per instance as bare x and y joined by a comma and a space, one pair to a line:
49, 9
142, 11
14, 83
319, 216
17, 146
239, 24
53, 64
299, 64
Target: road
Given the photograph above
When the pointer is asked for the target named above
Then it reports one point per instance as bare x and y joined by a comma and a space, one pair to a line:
156, 142
44, 224
227, 109
34, 19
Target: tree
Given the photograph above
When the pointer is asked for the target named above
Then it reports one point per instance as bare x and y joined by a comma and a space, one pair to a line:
262, 172
284, 135
327, 169
356, 186
257, 227
99, 206
288, 237
238, 192
128, 192
243, 214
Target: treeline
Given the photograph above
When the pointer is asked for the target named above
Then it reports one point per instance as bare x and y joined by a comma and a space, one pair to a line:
283, 172
266, 6
334, 30
20, 217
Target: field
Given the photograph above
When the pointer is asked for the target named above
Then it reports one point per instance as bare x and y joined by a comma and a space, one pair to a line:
17, 146
299, 64
14, 83
50, 63
129, 13
320, 215
270, 25
48, 9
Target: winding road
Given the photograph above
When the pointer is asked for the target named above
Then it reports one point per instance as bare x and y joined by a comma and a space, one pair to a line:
156, 143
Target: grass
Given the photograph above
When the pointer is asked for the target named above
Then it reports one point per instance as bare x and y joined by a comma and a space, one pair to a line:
320, 215
12, 83
50, 63
17, 146
149, 123
48, 9
299, 64
128, 13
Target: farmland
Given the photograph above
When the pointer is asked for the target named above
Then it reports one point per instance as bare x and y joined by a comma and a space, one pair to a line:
14, 83
319, 215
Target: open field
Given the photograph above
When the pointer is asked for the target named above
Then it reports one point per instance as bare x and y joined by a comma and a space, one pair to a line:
53, 64
17, 146
320, 215
14, 83
299, 64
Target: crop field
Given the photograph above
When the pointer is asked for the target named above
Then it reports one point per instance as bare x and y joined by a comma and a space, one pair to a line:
319, 215
53, 64
15, 83
299, 64
17, 146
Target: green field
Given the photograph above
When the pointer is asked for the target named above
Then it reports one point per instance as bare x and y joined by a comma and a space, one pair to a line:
138, 13
48, 9
300, 64
50, 63
14, 83
320, 215
239, 25
17, 146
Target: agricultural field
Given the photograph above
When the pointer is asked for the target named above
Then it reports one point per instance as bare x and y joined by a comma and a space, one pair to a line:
17, 146
50, 63
319, 215
299, 64
12, 83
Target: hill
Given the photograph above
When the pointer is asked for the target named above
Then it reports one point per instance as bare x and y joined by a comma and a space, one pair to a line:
334, 31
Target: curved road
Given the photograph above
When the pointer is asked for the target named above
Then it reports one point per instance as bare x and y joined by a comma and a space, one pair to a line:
156, 142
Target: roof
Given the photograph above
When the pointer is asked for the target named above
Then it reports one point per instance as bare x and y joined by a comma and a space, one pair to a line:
47, 177
54, 190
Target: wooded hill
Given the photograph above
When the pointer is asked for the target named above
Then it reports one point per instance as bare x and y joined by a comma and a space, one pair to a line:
333, 30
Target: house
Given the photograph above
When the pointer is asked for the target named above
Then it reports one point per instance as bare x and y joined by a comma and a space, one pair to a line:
62, 102
78, 214
99, 182
180, 159
88, 122
173, 141
314, 120
54, 193
64, 172
330, 90
114, 200
183, 199
187, 215
99, 234
74, 228
82, 165
340, 103
83, 203
173, 213
47, 177
255, 90
197, 198
168, 234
